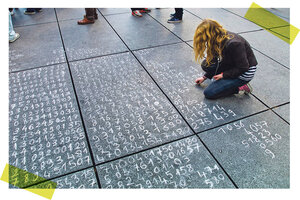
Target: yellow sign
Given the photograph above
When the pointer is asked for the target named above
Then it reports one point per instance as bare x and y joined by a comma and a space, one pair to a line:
272, 23
28, 181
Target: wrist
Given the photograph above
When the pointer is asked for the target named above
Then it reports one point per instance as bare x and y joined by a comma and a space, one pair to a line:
204, 77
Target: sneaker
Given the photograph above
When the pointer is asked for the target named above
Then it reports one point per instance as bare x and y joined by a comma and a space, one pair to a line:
174, 20
145, 10
246, 88
17, 35
27, 12
137, 13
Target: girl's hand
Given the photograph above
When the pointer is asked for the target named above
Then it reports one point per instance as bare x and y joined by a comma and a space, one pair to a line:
200, 80
218, 76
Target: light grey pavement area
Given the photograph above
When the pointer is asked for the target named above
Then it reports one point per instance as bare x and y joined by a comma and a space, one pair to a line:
114, 104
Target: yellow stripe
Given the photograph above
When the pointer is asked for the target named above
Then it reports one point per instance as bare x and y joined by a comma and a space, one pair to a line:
268, 20
21, 178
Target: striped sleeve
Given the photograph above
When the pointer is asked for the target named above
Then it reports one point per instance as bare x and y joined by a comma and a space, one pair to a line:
248, 75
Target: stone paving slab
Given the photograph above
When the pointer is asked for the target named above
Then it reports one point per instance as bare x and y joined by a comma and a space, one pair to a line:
113, 11
181, 164
69, 13
45, 16
174, 69
123, 109
90, 40
39, 45
253, 151
185, 30
141, 32
270, 45
46, 135
271, 83
228, 20
283, 111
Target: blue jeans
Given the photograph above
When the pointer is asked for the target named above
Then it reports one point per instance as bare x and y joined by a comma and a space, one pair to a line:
223, 88
11, 32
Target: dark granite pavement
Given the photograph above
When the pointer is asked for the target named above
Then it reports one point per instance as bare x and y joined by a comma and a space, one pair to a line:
114, 104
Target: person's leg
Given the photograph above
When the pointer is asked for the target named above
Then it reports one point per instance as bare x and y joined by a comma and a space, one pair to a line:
12, 35
90, 13
178, 13
177, 17
223, 87
95, 13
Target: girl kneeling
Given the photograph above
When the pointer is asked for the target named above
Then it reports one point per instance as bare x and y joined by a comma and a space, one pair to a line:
230, 60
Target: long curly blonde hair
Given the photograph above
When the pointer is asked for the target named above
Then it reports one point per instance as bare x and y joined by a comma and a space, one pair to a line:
208, 38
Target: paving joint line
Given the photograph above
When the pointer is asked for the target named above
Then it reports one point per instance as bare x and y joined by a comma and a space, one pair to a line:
193, 14
41, 23
167, 29
100, 56
194, 132
232, 121
79, 109
22, 70
59, 176
270, 57
235, 185
279, 34
252, 21
278, 114
283, 104
282, 26
160, 45
253, 31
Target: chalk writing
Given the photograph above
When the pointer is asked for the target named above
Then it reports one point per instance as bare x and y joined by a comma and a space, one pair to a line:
46, 133
257, 134
181, 164
124, 111
178, 82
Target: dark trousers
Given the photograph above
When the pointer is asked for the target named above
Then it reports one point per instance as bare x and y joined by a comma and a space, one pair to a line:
91, 13
178, 13
222, 87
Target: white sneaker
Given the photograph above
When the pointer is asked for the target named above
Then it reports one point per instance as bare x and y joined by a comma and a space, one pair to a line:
17, 35
136, 13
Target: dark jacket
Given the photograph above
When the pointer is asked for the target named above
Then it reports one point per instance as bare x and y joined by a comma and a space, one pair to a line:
237, 57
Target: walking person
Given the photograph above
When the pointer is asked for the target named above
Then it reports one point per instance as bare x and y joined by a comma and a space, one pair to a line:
230, 61
177, 16
12, 35
89, 17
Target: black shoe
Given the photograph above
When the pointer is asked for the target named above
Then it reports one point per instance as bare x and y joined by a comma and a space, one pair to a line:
29, 12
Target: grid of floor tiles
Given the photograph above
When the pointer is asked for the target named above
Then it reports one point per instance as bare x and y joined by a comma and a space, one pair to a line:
114, 104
